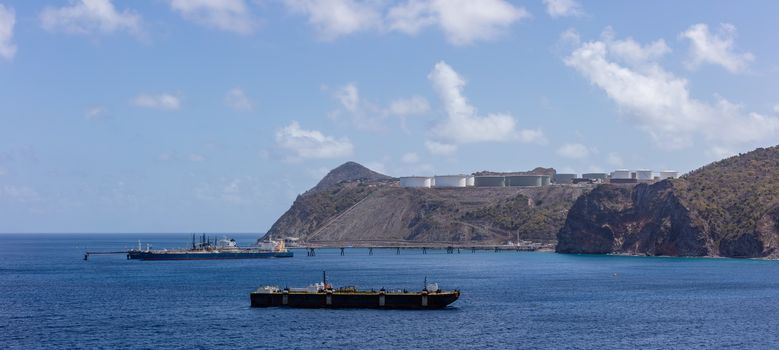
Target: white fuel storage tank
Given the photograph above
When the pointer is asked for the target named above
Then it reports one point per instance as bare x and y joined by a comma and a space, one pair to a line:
416, 181
669, 174
620, 174
644, 175
450, 181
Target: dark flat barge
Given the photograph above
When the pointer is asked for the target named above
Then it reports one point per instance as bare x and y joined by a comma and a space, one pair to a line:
322, 295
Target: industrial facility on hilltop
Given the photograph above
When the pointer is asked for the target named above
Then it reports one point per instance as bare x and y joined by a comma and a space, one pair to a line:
619, 176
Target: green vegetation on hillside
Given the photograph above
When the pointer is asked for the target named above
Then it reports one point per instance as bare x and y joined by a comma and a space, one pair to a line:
731, 195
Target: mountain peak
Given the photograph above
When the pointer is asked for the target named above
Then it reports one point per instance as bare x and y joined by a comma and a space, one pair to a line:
348, 171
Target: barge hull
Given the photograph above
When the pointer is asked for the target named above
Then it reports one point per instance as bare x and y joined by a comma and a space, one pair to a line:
355, 300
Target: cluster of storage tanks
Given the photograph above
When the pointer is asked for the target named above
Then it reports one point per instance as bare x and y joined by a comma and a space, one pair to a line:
617, 176
475, 181
643, 175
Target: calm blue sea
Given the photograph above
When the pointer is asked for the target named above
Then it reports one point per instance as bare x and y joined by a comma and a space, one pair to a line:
51, 298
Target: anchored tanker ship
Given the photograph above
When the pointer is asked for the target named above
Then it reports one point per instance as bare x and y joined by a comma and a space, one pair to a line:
216, 249
323, 295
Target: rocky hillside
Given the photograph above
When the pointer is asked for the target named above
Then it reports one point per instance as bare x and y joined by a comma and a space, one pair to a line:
360, 210
727, 208
349, 171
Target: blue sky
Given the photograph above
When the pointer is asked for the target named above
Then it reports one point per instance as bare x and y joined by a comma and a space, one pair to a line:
180, 116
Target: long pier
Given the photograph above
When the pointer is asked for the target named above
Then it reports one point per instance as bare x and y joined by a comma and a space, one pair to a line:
87, 254
312, 249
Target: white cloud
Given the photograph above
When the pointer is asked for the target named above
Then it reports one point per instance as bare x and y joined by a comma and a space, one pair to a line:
615, 159
411, 16
463, 124
228, 15
367, 115
95, 113
362, 114
631, 52
660, 102
334, 18
440, 149
532, 136
410, 157
237, 100
305, 144
7, 22
349, 96
563, 8
706, 47
161, 101
776, 108
90, 17
574, 151
194, 157
462, 21
415, 105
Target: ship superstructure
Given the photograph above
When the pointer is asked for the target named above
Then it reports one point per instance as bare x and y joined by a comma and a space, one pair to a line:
207, 248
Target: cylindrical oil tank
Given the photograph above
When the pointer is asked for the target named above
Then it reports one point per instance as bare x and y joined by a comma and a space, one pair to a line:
490, 181
619, 174
668, 174
416, 181
596, 176
564, 178
451, 181
644, 175
546, 180
524, 180
470, 181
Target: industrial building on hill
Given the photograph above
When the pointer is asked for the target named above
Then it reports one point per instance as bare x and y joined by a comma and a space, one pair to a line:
453, 181
450, 181
564, 179
490, 181
619, 176
624, 176
416, 181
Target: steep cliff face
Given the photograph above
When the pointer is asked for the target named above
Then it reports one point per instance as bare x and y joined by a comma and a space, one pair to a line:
728, 208
642, 219
359, 209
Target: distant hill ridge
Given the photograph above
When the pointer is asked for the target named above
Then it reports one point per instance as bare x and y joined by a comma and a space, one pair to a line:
355, 204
